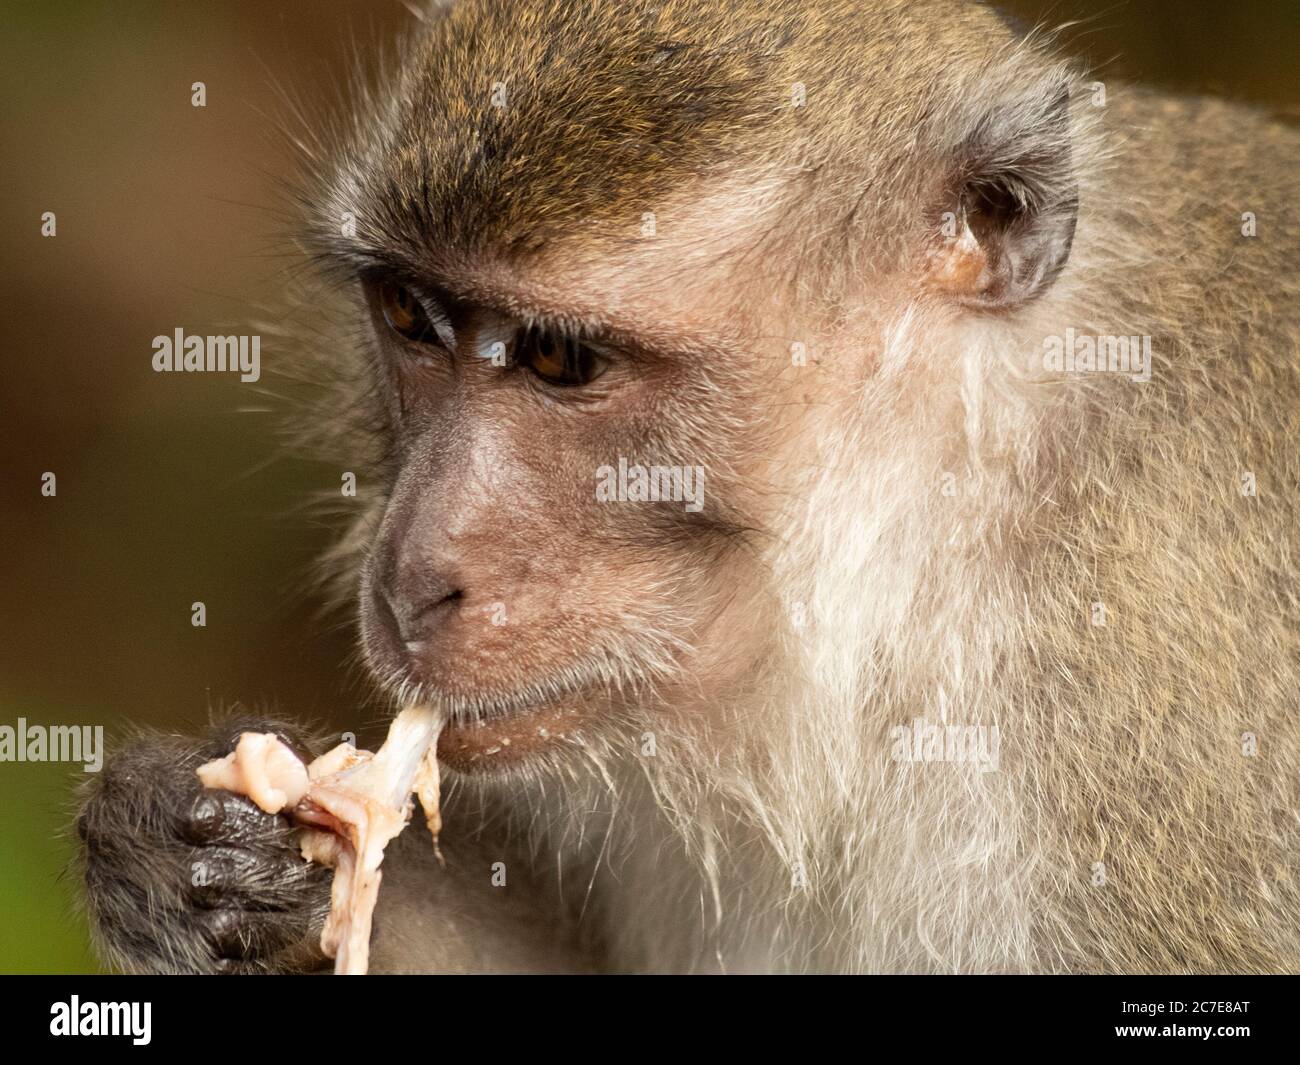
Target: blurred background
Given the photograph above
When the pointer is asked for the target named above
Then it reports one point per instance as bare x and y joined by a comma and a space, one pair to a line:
171, 489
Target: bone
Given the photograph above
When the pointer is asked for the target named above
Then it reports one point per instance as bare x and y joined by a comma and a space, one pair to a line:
353, 803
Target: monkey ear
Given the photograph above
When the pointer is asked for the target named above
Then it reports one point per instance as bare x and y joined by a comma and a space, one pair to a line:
1009, 207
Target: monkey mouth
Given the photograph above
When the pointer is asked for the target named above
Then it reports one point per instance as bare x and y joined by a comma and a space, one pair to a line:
497, 722
490, 731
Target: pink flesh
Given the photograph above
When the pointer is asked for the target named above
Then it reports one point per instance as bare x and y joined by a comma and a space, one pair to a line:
364, 799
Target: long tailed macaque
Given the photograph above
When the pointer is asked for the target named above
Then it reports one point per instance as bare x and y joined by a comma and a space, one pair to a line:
835, 463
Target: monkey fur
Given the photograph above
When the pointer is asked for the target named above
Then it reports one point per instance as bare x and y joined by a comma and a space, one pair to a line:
919, 523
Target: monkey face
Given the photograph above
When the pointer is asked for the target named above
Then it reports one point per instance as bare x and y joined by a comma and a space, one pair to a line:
594, 296
561, 540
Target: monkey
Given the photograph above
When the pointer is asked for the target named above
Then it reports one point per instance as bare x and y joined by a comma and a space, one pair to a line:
980, 652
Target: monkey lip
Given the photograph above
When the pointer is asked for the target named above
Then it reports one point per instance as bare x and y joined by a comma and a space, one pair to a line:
486, 731
478, 746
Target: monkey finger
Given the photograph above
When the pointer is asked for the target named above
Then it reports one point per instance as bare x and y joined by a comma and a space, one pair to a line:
222, 737
238, 935
255, 878
224, 817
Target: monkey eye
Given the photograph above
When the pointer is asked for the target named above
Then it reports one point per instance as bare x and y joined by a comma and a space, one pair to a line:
405, 314
559, 359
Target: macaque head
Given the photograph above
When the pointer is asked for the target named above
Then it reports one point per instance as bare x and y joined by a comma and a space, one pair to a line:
646, 293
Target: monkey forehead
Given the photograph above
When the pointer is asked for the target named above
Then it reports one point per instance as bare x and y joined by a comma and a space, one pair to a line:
523, 130
513, 123
517, 123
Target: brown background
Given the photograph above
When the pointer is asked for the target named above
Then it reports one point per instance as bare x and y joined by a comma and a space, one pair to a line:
169, 490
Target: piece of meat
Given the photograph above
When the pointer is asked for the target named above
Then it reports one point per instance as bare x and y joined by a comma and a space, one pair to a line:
354, 803
262, 768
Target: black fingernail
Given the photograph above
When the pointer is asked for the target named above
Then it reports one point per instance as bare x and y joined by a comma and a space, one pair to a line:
207, 815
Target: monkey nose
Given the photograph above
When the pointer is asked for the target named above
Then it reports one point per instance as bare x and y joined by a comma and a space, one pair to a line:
416, 614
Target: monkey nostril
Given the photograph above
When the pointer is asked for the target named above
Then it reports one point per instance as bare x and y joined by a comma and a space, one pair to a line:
435, 612
416, 619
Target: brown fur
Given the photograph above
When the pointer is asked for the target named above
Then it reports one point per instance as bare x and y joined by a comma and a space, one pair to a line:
830, 591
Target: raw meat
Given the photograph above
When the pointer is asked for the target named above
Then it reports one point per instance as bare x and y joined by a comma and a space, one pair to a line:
352, 802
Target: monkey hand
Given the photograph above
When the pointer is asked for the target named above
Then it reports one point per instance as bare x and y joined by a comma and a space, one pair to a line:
181, 879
